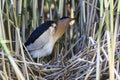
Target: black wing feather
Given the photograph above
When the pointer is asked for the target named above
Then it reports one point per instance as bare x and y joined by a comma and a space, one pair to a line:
64, 17
38, 31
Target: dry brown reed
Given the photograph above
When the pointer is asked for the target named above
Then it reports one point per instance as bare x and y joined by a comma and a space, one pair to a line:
89, 49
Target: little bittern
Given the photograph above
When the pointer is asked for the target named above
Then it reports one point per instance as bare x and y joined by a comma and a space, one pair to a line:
42, 40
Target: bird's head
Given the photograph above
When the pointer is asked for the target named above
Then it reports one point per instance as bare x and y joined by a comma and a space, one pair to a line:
61, 25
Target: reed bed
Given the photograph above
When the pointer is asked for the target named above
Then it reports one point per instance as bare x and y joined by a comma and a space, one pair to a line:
89, 49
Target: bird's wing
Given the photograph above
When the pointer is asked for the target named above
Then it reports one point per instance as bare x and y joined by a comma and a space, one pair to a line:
40, 41
39, 37
38, 32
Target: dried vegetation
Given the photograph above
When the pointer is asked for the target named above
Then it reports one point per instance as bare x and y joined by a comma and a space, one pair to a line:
89, 50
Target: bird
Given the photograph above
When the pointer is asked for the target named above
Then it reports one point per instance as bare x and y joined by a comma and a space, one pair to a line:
42, 40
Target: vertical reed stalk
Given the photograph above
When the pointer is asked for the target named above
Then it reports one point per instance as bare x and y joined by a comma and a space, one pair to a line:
19, 3
42, 8
112, 52
61, 5
2, 30
24, 18
34, 13
9, 28
99, 41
